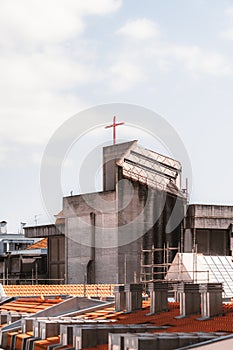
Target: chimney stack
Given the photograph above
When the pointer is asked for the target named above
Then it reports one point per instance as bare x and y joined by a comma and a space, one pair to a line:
211, 299
158, 296
133, 295
3, 227
190, 299
119, 298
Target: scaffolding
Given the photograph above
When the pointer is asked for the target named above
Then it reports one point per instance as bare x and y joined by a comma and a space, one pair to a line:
152, 272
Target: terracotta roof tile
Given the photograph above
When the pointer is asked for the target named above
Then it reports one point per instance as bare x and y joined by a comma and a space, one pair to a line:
100, 290
42, 244
43, 344
19, 339
222, 323
29, 305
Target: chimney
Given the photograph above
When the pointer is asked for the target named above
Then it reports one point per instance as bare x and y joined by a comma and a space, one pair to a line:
3, 227
133, 296
189, 299
158, 296
211, 299
119, 298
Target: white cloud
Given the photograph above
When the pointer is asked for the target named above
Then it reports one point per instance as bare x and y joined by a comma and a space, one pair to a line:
163, 56
35, 120
43, 69
43, 62
34, 93
228, 33
30, 22
123, 76
200, 61
133, 67
140, 29
38, 22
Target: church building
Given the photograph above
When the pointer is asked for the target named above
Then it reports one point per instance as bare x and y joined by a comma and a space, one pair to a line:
119, 235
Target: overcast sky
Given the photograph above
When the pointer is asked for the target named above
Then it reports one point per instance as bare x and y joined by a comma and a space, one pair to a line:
58, 57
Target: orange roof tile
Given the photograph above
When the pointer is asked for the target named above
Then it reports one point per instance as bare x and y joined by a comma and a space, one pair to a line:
43, 344
42, 244
19, 339
28, 305
222, 323
100, 290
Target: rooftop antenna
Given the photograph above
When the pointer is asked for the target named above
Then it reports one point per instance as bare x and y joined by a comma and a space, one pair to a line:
22, 224
35, 219
114, 125
187, 189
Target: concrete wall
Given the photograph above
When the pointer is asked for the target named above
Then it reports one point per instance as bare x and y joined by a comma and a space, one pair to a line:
56, 258
148, 211
110, 155
209, 216
207, 229
207, 241
89, 225
117, 223
104, 231
44, 231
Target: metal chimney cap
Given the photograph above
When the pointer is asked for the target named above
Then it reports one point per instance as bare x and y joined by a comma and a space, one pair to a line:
3, 222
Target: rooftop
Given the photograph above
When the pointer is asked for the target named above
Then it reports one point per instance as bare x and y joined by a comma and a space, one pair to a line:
166, 322
42, 244
29, 305
90, 315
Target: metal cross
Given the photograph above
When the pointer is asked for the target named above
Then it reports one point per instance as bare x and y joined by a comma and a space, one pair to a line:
114, 125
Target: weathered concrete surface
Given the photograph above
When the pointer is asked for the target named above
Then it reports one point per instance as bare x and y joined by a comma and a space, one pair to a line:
105, 231
42, 231
206, 216
110, 170
142, 221
207, 229
87, 221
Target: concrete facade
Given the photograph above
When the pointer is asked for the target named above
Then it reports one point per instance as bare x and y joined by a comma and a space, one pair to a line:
99, 237
97, 250
56, 248
104, 232
208, 229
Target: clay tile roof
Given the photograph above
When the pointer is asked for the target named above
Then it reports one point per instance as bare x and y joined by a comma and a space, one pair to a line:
29, 305
221, 323
43, 344
42, 244
58, 289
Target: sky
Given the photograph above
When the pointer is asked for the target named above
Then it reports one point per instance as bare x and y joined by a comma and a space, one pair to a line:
59, 57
